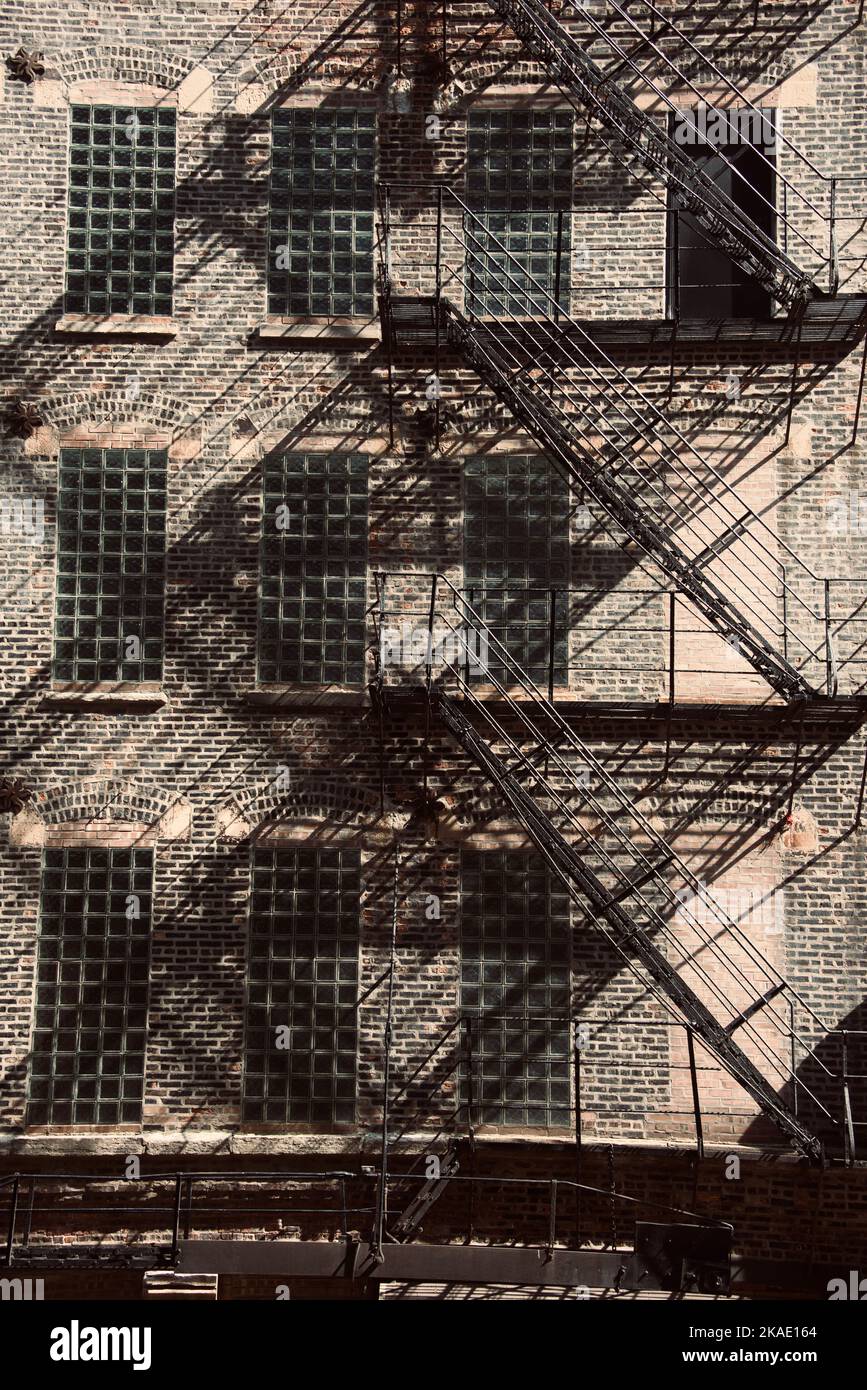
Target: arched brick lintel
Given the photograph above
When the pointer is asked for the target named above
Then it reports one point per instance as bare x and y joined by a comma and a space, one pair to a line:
120, 63
96, 811
323, 809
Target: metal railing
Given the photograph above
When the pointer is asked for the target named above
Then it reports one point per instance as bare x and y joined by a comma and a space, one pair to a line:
806, 197
37, 1209
615, 445
451, 1105
652, 641
540, 760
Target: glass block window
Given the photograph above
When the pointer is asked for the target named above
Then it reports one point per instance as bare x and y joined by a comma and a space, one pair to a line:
313, 580
320, 252
515, 988
519, 177
121, 210
301, 1041
516, 549
111, 531
88, 1057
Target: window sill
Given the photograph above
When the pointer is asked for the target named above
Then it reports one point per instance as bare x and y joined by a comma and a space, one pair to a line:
117, 325
275, 698
313, 333
142, 699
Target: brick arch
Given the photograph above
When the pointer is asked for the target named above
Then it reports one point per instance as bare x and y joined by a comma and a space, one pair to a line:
115, 407
330, 802
121, 63
93, 799
711, 405
476, 77
290, 71
319, 798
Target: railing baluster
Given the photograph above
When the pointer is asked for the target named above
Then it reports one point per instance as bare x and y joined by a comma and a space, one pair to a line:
13, 1215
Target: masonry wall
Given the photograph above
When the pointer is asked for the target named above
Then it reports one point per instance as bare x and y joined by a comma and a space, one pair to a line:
191, 768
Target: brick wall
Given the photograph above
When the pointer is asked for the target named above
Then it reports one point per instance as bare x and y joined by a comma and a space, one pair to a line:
197, 770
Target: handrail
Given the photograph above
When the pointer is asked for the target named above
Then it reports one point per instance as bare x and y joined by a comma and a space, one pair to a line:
637, 603
551, 713
675, 28
747, 104
742, 537
552, 32
190, 1180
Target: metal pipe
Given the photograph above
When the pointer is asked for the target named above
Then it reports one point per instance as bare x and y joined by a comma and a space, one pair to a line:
438, 298
552, 632
557, 264
576, 1053
176, 1224
833, 249
429, 678
848, 1127
672, 644
859, 812
552, 1218
831, 682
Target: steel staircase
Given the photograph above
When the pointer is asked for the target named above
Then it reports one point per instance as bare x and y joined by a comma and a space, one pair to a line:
408, 1224
618, 449
578, 76
609, 476
629, 881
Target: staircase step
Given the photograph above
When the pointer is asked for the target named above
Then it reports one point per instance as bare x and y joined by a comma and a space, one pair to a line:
430, 1191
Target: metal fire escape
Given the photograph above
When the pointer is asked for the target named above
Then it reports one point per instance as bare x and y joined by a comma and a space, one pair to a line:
617, 448
649, 144
627, 880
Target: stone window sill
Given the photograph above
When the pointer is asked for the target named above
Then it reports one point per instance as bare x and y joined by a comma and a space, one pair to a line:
142, 699
323, 334
275, 698
117, 325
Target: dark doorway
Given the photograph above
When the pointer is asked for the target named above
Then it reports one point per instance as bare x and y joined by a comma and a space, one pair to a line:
703, 281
